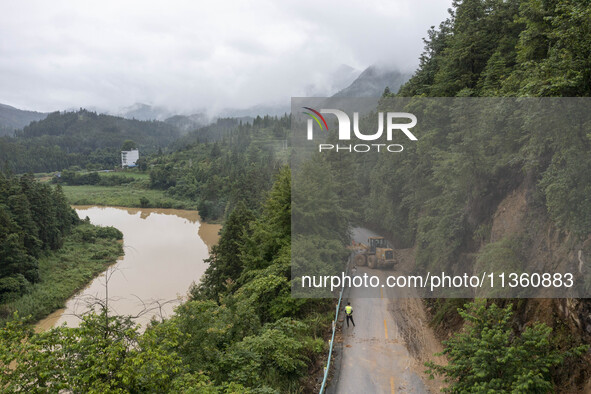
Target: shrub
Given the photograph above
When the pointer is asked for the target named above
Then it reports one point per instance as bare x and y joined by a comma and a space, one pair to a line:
144, 202
109, 232
487, 356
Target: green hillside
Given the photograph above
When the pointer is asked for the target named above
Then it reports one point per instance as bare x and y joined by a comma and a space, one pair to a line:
80, 138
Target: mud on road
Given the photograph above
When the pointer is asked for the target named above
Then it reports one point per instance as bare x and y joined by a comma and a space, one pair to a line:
387, 349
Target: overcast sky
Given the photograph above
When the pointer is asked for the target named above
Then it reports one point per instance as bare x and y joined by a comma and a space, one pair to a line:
187, 55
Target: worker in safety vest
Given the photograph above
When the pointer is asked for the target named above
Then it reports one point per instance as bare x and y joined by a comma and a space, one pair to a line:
349, 313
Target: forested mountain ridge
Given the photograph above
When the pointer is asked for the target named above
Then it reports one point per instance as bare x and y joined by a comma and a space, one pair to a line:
518, 200
12, 119
186, 123
80, 138
223, 164
507, 48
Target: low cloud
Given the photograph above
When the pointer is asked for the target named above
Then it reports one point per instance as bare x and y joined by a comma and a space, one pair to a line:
187, 55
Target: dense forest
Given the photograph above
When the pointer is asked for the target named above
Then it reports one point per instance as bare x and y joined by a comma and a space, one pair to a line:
83, 139
494, 48
46, 251
241, 331
450, 187
33, 218
238, 164
450, 195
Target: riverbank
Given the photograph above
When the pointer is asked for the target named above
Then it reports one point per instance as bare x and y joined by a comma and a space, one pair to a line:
157, 270
86, 252
130, 196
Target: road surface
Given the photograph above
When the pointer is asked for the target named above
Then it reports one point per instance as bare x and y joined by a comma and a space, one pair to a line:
376, 354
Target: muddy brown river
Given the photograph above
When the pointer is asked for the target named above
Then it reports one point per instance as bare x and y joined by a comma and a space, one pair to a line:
164, 253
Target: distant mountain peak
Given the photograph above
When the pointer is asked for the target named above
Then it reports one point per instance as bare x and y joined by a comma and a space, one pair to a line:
186, 123
372, 82
142, 111
339, 78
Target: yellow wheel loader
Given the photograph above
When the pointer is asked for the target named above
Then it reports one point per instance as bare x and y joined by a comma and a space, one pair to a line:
376, 254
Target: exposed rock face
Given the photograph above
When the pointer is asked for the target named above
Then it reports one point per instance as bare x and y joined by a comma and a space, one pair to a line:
510, 215
548, 249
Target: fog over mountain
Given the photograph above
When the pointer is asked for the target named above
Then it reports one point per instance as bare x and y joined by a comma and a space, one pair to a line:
372, 82
186, 123
141, 111
199, 55
345, 81
333, 82
12, 119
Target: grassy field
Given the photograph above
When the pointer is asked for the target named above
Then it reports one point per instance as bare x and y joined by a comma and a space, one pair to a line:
64, 272
131, 174
134, 194
123, 196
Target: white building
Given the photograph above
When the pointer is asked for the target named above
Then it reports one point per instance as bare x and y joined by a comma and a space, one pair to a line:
129, 158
